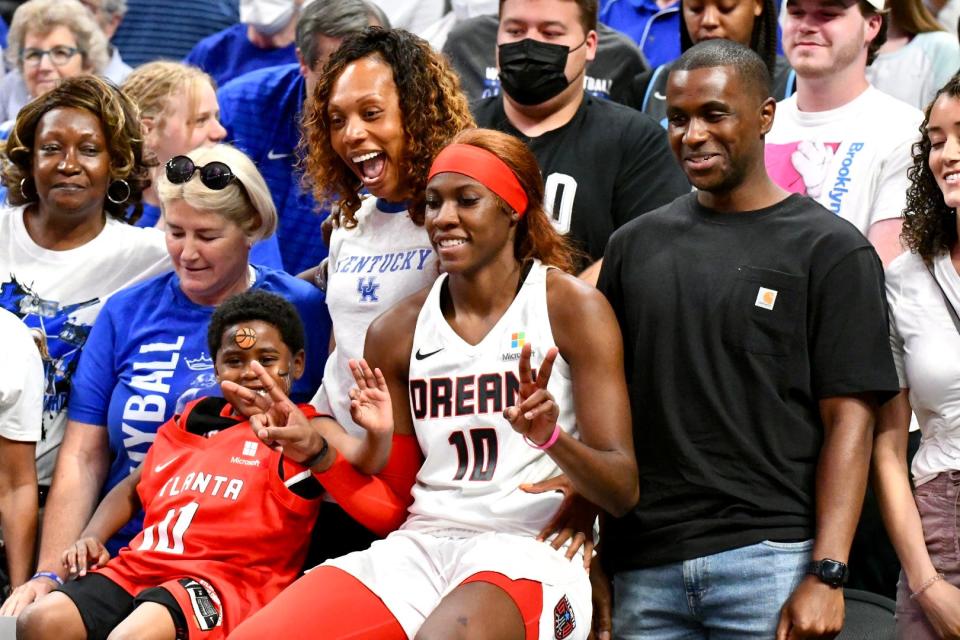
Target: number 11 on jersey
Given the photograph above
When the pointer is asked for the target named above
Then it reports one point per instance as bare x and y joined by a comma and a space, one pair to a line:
164, 543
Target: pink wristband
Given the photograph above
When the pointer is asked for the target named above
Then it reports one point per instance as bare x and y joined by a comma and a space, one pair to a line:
549, 443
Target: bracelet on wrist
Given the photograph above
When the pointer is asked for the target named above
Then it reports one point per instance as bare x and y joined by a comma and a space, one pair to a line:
937, 577
320, 455
550, 441
49, 575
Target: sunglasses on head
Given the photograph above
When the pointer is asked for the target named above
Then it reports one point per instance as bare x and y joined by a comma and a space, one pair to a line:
213, 175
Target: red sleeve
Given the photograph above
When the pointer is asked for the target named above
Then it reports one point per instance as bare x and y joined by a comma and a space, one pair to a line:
377, 502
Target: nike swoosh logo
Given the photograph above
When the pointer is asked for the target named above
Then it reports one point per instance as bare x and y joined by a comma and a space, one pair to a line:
423, 356
161, 467
271, 155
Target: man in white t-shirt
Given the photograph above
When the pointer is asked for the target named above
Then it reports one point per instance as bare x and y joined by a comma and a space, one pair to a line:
21, 407
838, 139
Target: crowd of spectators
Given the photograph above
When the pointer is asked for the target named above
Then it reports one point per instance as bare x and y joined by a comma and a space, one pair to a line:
442, 288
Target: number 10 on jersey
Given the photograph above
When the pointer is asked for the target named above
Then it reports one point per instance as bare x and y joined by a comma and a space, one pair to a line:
484, 450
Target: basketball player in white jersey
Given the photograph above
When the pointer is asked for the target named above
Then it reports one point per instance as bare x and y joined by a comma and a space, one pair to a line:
466, 561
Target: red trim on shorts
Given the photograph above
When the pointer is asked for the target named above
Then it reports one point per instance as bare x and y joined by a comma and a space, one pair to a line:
526, 594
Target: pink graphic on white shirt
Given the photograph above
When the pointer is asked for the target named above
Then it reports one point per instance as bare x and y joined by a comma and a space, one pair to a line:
800, 167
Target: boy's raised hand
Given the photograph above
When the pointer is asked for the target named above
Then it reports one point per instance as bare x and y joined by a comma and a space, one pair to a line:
85, 553
370, 405
280, 423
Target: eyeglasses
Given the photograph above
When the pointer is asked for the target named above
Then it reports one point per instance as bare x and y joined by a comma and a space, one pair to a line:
213, 175
59, 56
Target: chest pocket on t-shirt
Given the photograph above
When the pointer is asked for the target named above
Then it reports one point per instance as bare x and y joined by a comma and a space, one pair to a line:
764, 311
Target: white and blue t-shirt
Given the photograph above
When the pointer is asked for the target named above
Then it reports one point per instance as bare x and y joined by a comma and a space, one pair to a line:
147, 356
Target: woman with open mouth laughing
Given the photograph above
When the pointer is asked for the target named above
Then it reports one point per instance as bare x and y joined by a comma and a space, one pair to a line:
384, 107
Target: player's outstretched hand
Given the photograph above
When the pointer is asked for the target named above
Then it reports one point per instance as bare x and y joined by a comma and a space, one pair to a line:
282, 425
536, 415
573, 521
370, 405
85, 553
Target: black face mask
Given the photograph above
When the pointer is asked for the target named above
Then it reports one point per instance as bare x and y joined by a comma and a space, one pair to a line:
532, 72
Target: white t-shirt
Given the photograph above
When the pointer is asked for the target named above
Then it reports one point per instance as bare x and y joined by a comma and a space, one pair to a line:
853, 160
371, 267
59, 293
926, 350
915, 72
21, 382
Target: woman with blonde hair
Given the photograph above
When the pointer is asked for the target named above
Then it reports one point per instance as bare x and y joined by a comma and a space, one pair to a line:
918, 57
148, 354
179, 111
49, 40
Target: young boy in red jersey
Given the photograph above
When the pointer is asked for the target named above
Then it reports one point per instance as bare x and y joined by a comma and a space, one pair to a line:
227, 518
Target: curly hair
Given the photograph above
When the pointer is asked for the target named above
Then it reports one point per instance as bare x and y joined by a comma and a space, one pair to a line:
929, 224
432, 108
256, 304
121, 127
535, 237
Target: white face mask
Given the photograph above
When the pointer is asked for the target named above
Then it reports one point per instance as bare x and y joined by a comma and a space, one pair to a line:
269, 17
464, 9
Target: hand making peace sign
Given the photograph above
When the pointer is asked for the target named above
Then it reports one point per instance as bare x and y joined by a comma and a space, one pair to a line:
536, 415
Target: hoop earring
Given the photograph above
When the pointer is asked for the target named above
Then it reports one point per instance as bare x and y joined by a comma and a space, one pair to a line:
126, 196
23, 190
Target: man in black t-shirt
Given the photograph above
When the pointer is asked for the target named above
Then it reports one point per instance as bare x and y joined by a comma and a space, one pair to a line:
756, 350
603, 164
471, 48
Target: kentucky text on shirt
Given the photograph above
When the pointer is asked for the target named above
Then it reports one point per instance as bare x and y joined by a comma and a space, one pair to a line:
400, 261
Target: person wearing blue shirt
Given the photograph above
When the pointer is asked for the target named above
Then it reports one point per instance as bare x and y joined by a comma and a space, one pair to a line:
154, 29
179, 112
148, 350
264, 38
149, 357
279, 92
653, 24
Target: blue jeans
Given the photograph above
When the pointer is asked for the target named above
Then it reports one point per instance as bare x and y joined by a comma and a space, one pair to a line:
732, 594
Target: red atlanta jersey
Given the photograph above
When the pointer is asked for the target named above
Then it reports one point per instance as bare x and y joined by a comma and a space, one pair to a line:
216, 509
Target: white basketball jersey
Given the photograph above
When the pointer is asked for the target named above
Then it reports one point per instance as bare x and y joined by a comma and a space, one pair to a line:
474, 461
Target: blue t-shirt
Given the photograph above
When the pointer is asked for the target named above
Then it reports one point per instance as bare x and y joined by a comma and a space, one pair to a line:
154, 29
147, 356
261, 113
655, 30
229, 53
264, 252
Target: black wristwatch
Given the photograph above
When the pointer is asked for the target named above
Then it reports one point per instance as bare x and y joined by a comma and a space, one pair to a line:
831, 572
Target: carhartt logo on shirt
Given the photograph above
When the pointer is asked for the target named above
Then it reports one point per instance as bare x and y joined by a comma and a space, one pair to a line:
250, 449
766, 298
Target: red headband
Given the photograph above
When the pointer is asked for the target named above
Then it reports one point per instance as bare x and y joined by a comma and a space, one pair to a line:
486, 168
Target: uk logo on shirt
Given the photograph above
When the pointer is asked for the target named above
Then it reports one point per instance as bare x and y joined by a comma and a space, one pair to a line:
367, 288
